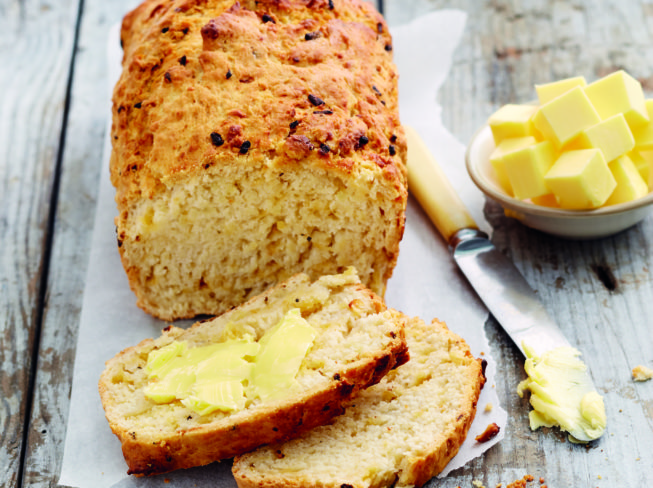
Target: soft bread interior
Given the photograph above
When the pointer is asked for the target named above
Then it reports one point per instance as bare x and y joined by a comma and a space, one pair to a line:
400, 432
353, 327
214, 240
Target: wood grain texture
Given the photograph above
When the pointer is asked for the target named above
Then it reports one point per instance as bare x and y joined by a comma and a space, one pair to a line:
601, 291
80, 171
36, 43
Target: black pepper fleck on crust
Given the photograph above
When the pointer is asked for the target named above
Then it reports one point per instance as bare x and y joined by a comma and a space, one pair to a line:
392, 150
183, 60
331, 6
294, 124
362, 140
309, 36
164, 30
167, 77
138, 105
323, 112
315, 100
267, 18
388, 47
324, 149
245, 147
393, 138
185, 31
229, 74
216, 139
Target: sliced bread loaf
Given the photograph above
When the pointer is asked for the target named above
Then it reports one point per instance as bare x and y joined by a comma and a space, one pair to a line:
357, 341
400, 432
253, 140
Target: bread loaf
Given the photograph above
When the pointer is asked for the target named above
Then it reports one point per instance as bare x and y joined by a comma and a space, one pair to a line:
358, 341
254, 140
399, 433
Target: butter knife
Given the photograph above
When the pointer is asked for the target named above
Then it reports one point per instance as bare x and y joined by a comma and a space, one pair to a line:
496, 280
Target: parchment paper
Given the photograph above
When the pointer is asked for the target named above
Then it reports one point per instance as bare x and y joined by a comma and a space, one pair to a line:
425, 283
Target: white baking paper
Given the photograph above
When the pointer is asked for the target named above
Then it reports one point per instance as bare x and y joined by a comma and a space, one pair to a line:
425, 282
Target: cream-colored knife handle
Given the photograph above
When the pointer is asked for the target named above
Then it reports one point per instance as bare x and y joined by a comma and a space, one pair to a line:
429, 184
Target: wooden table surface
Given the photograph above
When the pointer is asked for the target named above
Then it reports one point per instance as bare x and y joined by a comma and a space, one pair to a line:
52, 124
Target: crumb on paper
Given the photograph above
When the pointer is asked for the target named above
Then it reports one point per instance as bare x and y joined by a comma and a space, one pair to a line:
490, 431
488, 407
642, 373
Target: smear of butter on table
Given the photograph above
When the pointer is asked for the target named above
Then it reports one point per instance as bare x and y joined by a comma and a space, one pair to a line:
562, 394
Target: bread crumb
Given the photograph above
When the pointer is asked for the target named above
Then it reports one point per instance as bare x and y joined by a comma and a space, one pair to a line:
522, 482
541, 480
642, 373
477, 484
490, 431
599, 476
498, 485
488, 407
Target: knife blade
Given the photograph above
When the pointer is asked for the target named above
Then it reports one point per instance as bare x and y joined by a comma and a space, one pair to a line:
496, 280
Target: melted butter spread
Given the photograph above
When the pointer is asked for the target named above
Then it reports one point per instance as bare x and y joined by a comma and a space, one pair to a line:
562, 394
226, 375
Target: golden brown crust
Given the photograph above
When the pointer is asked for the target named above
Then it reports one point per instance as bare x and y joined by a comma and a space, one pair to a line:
211, 87
195, 68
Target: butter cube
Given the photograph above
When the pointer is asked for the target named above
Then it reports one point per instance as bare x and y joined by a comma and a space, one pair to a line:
512, 121
562, 119
549, 200
506, 147
644, 133
549, 91
630, 184
581, 179
643, 161
619, 93
612, 136
526, 168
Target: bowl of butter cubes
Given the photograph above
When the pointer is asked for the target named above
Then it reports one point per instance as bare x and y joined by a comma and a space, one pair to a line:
577, 163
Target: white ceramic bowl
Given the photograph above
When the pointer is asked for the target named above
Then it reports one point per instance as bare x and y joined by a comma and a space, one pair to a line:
571, 224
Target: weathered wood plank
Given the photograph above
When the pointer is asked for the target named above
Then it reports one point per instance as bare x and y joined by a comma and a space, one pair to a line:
507, 47
36, 41
80, 170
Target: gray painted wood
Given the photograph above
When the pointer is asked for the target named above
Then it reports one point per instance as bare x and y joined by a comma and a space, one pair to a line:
36, 43
80, 169
507, 46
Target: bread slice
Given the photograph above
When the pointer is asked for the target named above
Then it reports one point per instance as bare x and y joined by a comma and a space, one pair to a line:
358, 341
254, 140
400, 432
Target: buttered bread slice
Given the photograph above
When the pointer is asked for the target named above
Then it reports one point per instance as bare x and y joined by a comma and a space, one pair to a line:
268, 370
399, 433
